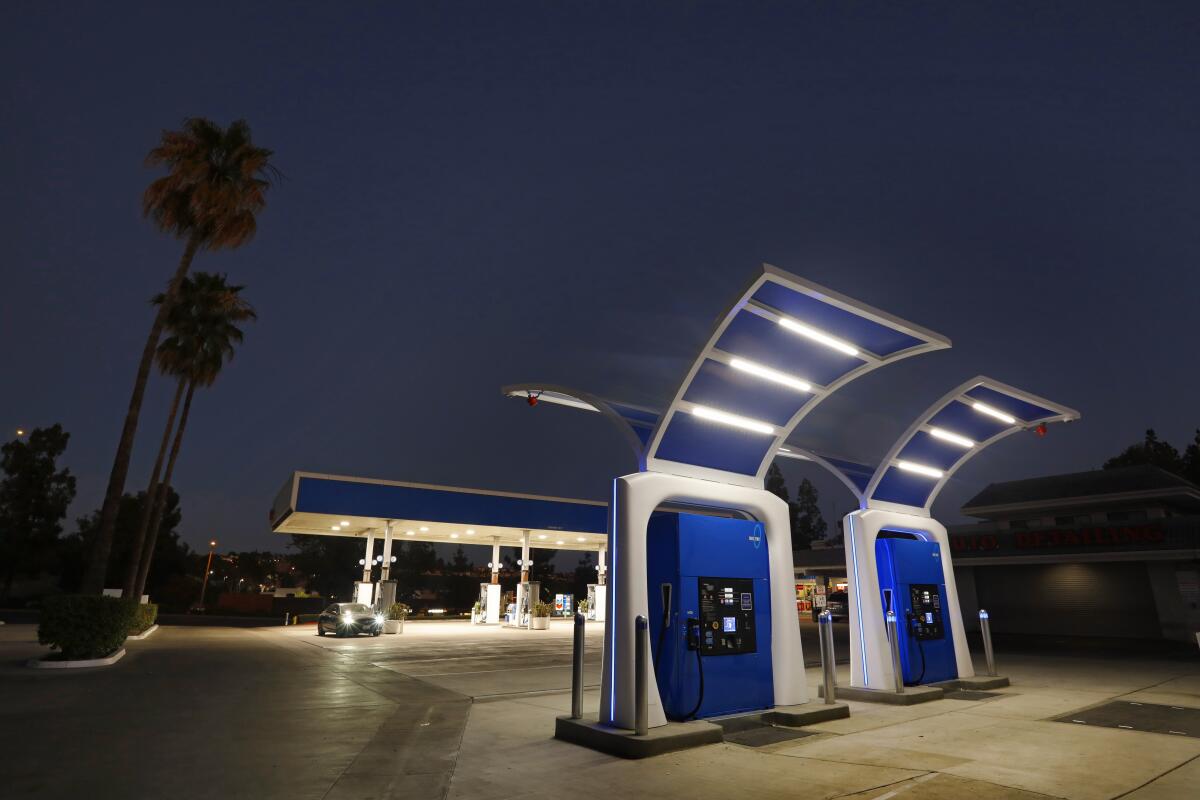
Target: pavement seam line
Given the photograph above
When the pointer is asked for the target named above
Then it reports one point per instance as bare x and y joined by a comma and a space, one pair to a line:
1156, 777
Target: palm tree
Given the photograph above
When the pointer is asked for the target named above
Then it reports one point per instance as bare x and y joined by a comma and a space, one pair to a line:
202, 334
214, 189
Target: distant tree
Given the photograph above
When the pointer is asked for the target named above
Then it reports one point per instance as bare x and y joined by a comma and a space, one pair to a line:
460, 563
1154, 451
809, 524
34, 496
585, 573
1191, 459
415, 564
211, 196
776, 484
172, 558
329, 564
202, 335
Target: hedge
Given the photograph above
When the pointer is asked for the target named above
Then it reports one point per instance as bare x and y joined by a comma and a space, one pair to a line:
84, 627
143, 617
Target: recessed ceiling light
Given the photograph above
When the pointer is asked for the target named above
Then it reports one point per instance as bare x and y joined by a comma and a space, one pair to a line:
424, 529
344, 523
470, 532
581, 539
335, 528
541, 536
560, 541
725, 418
454, 536
408, 533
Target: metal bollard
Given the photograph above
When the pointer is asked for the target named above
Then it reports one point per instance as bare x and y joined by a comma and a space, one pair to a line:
287, 618
577, 669
894, 643
985, 628
825, 632
832, 649
641, 716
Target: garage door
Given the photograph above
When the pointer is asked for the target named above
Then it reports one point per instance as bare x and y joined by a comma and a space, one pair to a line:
1108, 599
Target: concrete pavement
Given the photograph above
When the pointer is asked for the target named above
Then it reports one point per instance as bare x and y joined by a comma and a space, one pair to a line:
450, 710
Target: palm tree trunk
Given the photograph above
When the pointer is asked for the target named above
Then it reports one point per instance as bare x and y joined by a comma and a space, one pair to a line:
160, 501
93, 581
135, 552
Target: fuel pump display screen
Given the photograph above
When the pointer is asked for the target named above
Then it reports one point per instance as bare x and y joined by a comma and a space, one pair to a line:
726, 616
927, 611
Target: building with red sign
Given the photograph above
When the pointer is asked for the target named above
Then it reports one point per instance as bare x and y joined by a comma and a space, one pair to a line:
1112, 553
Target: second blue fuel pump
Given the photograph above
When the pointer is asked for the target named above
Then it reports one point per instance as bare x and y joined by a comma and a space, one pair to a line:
913, 585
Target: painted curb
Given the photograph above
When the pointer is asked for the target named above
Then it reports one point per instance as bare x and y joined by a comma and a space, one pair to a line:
144, 634
38, 663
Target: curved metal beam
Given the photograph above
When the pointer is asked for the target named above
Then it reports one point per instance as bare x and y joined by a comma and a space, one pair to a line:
1060, 413
584, 401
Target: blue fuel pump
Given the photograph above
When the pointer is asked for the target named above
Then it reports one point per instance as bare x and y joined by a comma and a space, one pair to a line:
710, 614
912, 584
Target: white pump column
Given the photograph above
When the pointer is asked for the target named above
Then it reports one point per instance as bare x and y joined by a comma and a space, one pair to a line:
491, 591
370, 553
598, 594
524, 579
387, 552
495, 565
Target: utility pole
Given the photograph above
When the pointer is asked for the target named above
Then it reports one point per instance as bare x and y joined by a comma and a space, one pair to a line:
212, 546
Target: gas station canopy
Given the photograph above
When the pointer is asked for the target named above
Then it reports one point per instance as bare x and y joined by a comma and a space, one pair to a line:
783, 346
334, 505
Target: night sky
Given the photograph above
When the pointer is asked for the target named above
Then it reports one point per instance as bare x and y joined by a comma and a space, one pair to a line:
480, 194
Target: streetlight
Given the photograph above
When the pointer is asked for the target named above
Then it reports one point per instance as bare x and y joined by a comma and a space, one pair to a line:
212, 546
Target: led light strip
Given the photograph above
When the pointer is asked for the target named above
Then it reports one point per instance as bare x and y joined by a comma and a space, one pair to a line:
818, 336
996, 413
952, 438
773, 375
734, 420
918, 469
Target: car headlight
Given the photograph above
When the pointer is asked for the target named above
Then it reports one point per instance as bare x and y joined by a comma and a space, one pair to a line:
379, 619
348, 619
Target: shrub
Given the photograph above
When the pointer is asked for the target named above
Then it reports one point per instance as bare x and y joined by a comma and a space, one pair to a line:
542, 609
582, 606
85, 626
398, 611
144, 615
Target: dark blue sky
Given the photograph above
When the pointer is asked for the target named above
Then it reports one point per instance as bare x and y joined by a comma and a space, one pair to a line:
486, 193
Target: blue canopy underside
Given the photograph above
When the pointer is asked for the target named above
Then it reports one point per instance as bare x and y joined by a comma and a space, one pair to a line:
721, 386
691, 440
879, 339
756, 339
1022, 410
390, 501
904, 488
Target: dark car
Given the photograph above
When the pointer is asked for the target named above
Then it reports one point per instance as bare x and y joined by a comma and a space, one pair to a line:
838, 606
349, 619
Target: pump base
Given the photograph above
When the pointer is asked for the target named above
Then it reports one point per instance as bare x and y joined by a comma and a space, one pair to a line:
807, 714
977, 683
912, 695
917, 694
622, 742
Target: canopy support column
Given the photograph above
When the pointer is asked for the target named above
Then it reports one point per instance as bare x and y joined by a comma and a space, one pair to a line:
366, 576
495, 559
387, 552
601, 569
524, 556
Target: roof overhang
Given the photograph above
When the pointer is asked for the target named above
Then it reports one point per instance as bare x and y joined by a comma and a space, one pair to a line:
316, 504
